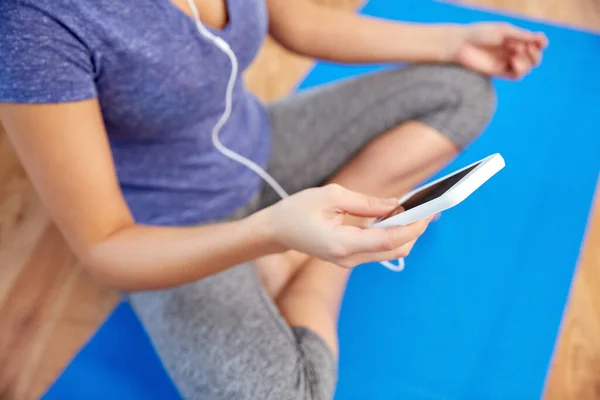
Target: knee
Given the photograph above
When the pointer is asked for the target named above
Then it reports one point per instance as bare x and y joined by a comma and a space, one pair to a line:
317, 369
304, 369
466, 102
296, 367
477, 104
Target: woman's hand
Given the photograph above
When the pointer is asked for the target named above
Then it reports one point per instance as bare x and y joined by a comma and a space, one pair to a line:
497, 49
315, 221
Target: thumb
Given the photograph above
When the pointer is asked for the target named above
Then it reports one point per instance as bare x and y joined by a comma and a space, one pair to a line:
364, 206
483, 61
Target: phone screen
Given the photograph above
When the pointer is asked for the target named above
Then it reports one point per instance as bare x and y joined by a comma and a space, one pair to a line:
430, 193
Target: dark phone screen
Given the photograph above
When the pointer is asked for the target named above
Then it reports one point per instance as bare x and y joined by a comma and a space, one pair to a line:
430, 193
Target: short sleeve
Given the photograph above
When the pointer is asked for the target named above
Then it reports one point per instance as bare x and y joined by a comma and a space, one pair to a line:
41, 60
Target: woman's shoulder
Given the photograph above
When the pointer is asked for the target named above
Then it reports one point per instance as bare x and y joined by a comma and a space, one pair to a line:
36, 21
43, 58
18, 8
29, 15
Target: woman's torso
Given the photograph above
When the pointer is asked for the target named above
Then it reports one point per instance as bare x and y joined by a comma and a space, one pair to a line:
161, 88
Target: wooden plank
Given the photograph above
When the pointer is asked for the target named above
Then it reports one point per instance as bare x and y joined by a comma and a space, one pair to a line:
576, 367
574, 13
30, 310
22, 221
22, 218
88, 304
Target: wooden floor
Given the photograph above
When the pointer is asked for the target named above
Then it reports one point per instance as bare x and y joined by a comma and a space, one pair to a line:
49, 306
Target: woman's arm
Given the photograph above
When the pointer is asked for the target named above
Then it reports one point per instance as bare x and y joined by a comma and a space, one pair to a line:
65, 150
320, 32
324, 33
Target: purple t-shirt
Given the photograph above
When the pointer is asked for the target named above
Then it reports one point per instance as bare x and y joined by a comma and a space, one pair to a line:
161, 88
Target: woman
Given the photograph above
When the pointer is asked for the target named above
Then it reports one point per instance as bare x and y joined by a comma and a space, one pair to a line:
110, 106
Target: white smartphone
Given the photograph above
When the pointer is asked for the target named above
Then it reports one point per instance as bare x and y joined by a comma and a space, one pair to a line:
441, 194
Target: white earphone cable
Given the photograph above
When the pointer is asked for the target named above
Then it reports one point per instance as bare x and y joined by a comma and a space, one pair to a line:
222, 44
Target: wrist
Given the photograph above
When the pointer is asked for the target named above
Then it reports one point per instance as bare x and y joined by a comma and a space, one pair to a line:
426, 43
446, 40
263, 228
429, 43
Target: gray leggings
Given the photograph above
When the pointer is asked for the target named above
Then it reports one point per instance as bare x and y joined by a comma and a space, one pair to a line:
222, 338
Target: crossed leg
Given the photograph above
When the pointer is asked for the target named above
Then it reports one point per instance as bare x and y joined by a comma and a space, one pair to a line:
448, 108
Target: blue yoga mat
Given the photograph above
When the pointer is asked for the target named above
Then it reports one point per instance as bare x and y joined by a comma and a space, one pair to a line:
475, 315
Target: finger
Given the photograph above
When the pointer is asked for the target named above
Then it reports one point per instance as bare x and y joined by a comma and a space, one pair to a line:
361, 205
516, 47
515, 32
526, 58
522, 50
486, 63
541, 40
360, 222
527, 53
366, 222
399, 236
519, 66
356, 240
373, 240
401, 252
535, 54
